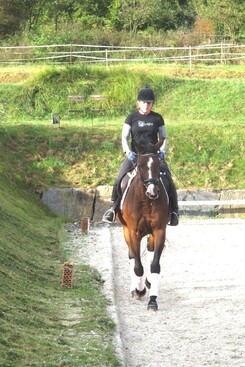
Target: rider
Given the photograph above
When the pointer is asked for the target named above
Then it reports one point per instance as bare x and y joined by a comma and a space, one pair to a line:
143, 125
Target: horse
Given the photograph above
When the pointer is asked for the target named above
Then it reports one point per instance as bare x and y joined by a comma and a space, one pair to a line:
144, 211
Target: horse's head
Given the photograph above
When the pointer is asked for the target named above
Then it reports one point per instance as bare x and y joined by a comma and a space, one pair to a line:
148, 164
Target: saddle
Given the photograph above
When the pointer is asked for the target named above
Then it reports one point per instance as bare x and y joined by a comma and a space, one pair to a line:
125, 184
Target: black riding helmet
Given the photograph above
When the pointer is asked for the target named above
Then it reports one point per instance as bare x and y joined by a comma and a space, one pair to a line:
146, 94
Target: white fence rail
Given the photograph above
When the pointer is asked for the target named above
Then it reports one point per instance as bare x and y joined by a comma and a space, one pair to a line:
74, 53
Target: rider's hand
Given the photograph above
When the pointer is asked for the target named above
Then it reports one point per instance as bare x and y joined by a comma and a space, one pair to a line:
162, 155
132, 156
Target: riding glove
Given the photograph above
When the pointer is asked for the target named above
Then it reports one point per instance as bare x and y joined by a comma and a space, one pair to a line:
132, 156
162, 155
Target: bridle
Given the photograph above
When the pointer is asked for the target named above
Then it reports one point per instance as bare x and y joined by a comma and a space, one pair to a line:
153, 180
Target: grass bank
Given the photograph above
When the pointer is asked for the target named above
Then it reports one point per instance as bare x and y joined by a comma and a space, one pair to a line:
204, 93
203, 109
40, 155
41, 323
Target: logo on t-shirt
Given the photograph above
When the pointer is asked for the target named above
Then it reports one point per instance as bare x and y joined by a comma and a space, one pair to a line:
143, 123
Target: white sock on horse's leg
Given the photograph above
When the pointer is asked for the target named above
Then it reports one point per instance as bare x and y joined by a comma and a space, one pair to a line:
150, 255
154, 280
136, 282
140, 283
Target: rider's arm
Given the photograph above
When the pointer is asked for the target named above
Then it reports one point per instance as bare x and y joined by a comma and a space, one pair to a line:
163, 136
125, 138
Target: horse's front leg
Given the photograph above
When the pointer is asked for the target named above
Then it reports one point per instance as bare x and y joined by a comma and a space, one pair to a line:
156, 244
137, 286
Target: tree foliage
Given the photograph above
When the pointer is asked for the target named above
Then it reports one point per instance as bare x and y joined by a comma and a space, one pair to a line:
225, 16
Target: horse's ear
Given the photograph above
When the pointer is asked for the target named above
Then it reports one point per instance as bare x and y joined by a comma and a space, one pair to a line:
158, 145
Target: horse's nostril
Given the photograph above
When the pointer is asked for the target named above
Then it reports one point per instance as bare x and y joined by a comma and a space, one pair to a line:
152, 196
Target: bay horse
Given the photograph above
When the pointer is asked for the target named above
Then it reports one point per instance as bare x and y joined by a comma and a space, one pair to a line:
144, 210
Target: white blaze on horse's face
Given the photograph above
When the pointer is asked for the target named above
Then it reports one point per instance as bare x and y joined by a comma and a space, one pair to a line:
152, 189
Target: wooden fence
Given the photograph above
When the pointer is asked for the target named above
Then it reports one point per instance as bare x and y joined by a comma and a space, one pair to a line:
75, 53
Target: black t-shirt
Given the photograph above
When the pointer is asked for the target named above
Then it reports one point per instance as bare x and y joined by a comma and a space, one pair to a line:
144, 128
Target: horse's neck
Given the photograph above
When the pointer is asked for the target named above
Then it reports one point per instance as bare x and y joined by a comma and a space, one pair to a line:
139, 187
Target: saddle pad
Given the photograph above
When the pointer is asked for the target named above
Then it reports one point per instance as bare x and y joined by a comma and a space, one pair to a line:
131, 177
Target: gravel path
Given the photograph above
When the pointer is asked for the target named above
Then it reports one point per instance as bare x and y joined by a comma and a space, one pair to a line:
201, 316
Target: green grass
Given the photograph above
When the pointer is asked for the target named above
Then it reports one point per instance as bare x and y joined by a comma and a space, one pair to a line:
204, 93
203, 111
43, 324
208, 155
200, 153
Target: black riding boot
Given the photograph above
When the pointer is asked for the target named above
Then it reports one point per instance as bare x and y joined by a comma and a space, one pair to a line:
173, 198
110, 215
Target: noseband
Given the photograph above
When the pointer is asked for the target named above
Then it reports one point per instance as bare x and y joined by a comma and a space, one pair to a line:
154, 181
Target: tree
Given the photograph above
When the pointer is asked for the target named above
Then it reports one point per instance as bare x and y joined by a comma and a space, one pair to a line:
137, 14
61, 9
11, 16
186, 15
167, 17
92, 13
18, 14
134, 15
99, 8
227, 16
34, 10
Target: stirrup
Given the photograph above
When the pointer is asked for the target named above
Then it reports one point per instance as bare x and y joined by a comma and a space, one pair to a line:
109, 216
174, 219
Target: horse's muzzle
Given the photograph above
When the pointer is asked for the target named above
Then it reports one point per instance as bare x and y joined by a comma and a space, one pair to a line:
152, 191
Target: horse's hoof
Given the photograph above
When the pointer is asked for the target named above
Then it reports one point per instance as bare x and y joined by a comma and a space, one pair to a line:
147, 283
152, 305
139, 294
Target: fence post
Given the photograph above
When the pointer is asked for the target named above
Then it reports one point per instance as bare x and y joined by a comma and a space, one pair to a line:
106, 57
70, 53
190, 60
222, 54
